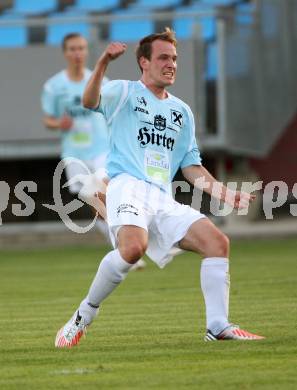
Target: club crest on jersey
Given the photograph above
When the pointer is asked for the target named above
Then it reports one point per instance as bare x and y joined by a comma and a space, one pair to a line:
176, 118
75, 109
159, 122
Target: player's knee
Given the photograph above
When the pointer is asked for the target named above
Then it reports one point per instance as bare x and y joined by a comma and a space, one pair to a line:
218, 246
222, 246
133, 251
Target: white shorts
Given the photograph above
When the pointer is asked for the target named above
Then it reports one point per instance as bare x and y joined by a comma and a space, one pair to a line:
84, 177
130, 201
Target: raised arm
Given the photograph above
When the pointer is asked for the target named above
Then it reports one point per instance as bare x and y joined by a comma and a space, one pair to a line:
201, 178
91, 96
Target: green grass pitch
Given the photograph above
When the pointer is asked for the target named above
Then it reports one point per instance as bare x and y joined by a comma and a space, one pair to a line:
149, 334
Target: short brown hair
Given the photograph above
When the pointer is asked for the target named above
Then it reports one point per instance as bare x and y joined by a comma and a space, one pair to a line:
68, 37
144, 48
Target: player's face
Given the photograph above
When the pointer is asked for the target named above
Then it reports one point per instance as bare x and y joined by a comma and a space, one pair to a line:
161, 68
76, 51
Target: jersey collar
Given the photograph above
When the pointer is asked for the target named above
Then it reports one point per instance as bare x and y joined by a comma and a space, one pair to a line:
145, 87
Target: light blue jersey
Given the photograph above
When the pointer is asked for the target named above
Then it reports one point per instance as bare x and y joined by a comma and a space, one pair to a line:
88, 138
150, 138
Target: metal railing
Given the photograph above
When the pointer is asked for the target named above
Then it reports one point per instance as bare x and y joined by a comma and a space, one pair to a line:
257, 98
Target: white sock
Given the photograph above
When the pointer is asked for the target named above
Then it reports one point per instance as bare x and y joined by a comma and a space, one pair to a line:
215, 285
87, 310
102, 226
112, 270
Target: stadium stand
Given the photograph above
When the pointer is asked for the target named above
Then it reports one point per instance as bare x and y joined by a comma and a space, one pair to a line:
184, 27
218, 3
95, 5
244, 13
4, 4
65, 3
130, 29
155, 4
13, 35
257, 73
29, 8
56, 32
119, 29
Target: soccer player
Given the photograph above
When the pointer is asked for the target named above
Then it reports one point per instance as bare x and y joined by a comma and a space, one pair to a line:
84, 133
152, 135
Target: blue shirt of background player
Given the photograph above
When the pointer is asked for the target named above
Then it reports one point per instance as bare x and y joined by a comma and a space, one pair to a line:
88, 138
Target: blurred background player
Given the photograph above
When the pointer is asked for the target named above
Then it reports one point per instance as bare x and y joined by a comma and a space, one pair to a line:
84, 133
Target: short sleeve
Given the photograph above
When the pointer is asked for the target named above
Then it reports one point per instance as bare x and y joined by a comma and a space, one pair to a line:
192, 156
113, 96
48, 100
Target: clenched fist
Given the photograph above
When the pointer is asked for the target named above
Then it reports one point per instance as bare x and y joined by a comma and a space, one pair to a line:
113, 51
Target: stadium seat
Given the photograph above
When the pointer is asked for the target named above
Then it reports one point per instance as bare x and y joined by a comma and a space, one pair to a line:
57, 31
218, 3
244, 13
13, 35
184, 27
155, 4
96, 5
130, 30
29, 7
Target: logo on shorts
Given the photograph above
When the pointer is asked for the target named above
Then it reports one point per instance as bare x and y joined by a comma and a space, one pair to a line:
159, 122
127, 208
176, 118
